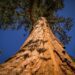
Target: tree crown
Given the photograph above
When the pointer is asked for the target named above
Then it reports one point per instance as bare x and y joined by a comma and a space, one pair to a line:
15, 14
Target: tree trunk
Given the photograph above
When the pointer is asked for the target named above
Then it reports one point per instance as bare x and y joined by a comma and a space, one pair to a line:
41, 54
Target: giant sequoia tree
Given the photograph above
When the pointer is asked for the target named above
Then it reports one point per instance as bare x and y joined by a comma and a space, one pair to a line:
42, 53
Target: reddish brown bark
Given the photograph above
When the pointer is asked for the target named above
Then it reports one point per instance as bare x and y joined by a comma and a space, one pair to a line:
41, 54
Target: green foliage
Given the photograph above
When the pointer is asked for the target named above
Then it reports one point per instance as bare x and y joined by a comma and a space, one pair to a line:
0, 52
33, 8
15, 14
73, 59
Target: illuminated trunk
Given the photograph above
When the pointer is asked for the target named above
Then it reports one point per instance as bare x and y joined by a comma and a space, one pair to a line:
41, 54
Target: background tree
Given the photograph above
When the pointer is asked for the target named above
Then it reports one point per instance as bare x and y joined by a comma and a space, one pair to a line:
27, 12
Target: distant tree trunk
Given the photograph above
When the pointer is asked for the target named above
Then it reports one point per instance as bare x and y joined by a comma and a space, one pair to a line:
41, 54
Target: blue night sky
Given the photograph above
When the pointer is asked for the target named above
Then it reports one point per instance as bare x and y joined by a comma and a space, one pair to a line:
11, 40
